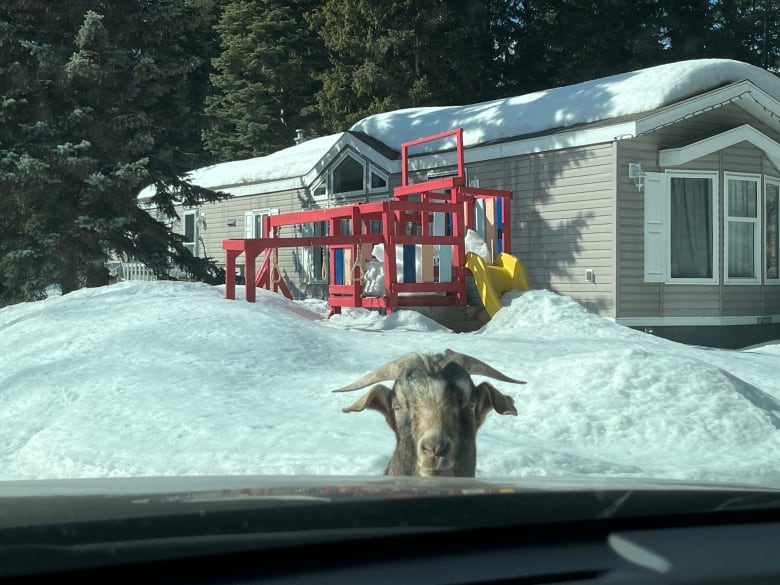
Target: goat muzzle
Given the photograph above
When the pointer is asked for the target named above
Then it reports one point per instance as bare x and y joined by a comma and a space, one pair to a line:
436, 455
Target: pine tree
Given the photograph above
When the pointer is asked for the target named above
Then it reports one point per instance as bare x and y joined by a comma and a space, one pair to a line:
688, 29
561, 42
387, 55
749, 31
264, 78
95, 107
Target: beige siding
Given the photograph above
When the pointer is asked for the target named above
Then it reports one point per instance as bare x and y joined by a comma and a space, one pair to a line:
635, 298
562, 218
215, 228
573, 210
290, 260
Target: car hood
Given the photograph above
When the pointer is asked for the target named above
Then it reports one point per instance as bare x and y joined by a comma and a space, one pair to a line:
60, 525
336, 487
407, 501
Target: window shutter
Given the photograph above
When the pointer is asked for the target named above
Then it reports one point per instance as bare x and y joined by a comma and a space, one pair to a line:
249, 224
655, 228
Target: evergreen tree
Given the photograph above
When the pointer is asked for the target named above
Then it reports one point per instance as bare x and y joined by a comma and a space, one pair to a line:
561, 42
264, 78
748, 30
386, 55
95, 106
687, 29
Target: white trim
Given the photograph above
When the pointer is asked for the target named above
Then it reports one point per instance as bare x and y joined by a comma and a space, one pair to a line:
750, 97
697, 321
713, 176
338, 161
250, 221
673, 157
548, 142
773, 181
756, 222
655, 228
323, 183
194, 245
375, 170
368, 153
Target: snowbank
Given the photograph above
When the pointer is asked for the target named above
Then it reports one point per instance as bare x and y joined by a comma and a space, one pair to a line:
166, 378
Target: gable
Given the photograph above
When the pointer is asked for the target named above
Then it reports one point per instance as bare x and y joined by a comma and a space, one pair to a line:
672, 157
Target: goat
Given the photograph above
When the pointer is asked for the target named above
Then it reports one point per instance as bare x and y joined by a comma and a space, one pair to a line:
435, 409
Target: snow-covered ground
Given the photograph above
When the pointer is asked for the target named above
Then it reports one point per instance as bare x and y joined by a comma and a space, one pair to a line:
164, 378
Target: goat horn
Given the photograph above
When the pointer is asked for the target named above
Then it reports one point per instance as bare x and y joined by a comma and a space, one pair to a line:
477, 367
388, 371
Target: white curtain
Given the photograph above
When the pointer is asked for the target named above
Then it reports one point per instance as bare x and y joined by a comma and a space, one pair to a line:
772, 226
742, 203
691, 227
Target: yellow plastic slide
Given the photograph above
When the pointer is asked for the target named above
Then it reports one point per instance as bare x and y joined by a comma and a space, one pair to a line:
492, 280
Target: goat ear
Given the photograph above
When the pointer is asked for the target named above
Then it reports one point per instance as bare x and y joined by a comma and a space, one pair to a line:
378, 398
489, 398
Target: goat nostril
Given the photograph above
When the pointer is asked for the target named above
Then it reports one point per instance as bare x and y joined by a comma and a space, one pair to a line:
436, 448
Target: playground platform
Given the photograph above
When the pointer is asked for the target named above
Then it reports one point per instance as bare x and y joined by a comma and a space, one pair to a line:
423, 237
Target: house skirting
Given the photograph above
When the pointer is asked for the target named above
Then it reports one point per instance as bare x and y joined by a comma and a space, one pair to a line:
724, 332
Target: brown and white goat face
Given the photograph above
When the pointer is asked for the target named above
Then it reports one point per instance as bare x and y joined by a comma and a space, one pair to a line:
434, 409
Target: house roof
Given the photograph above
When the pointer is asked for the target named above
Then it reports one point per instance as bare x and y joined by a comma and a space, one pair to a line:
616, 96
602, 109
294, 161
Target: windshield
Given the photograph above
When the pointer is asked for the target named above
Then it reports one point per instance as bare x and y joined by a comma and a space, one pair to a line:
565, 223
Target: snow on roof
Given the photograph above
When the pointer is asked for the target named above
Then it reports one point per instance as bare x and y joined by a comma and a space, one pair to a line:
624, 94
592, 101
294, 161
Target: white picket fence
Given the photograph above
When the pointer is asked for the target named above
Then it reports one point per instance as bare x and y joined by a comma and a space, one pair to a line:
135, 271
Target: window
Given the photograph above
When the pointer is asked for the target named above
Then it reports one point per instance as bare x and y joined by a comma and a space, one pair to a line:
742, 229
772, 242
191, 234
320, 191
681, 228
348, 176
254, 222
378, 181
692, 228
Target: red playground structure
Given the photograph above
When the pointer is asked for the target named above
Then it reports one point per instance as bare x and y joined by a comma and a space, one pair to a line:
424, 223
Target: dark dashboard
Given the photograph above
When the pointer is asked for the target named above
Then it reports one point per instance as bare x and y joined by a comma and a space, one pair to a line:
393, 532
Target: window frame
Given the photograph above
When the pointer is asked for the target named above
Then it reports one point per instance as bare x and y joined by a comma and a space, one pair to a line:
757, 229
715, 219
254, 214
323, 184
373, 170
332, 176
192, 245
768, 180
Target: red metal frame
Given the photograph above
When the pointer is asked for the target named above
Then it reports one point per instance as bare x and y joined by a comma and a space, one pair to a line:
446, 195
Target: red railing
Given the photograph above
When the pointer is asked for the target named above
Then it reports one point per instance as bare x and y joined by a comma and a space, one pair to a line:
420, 208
